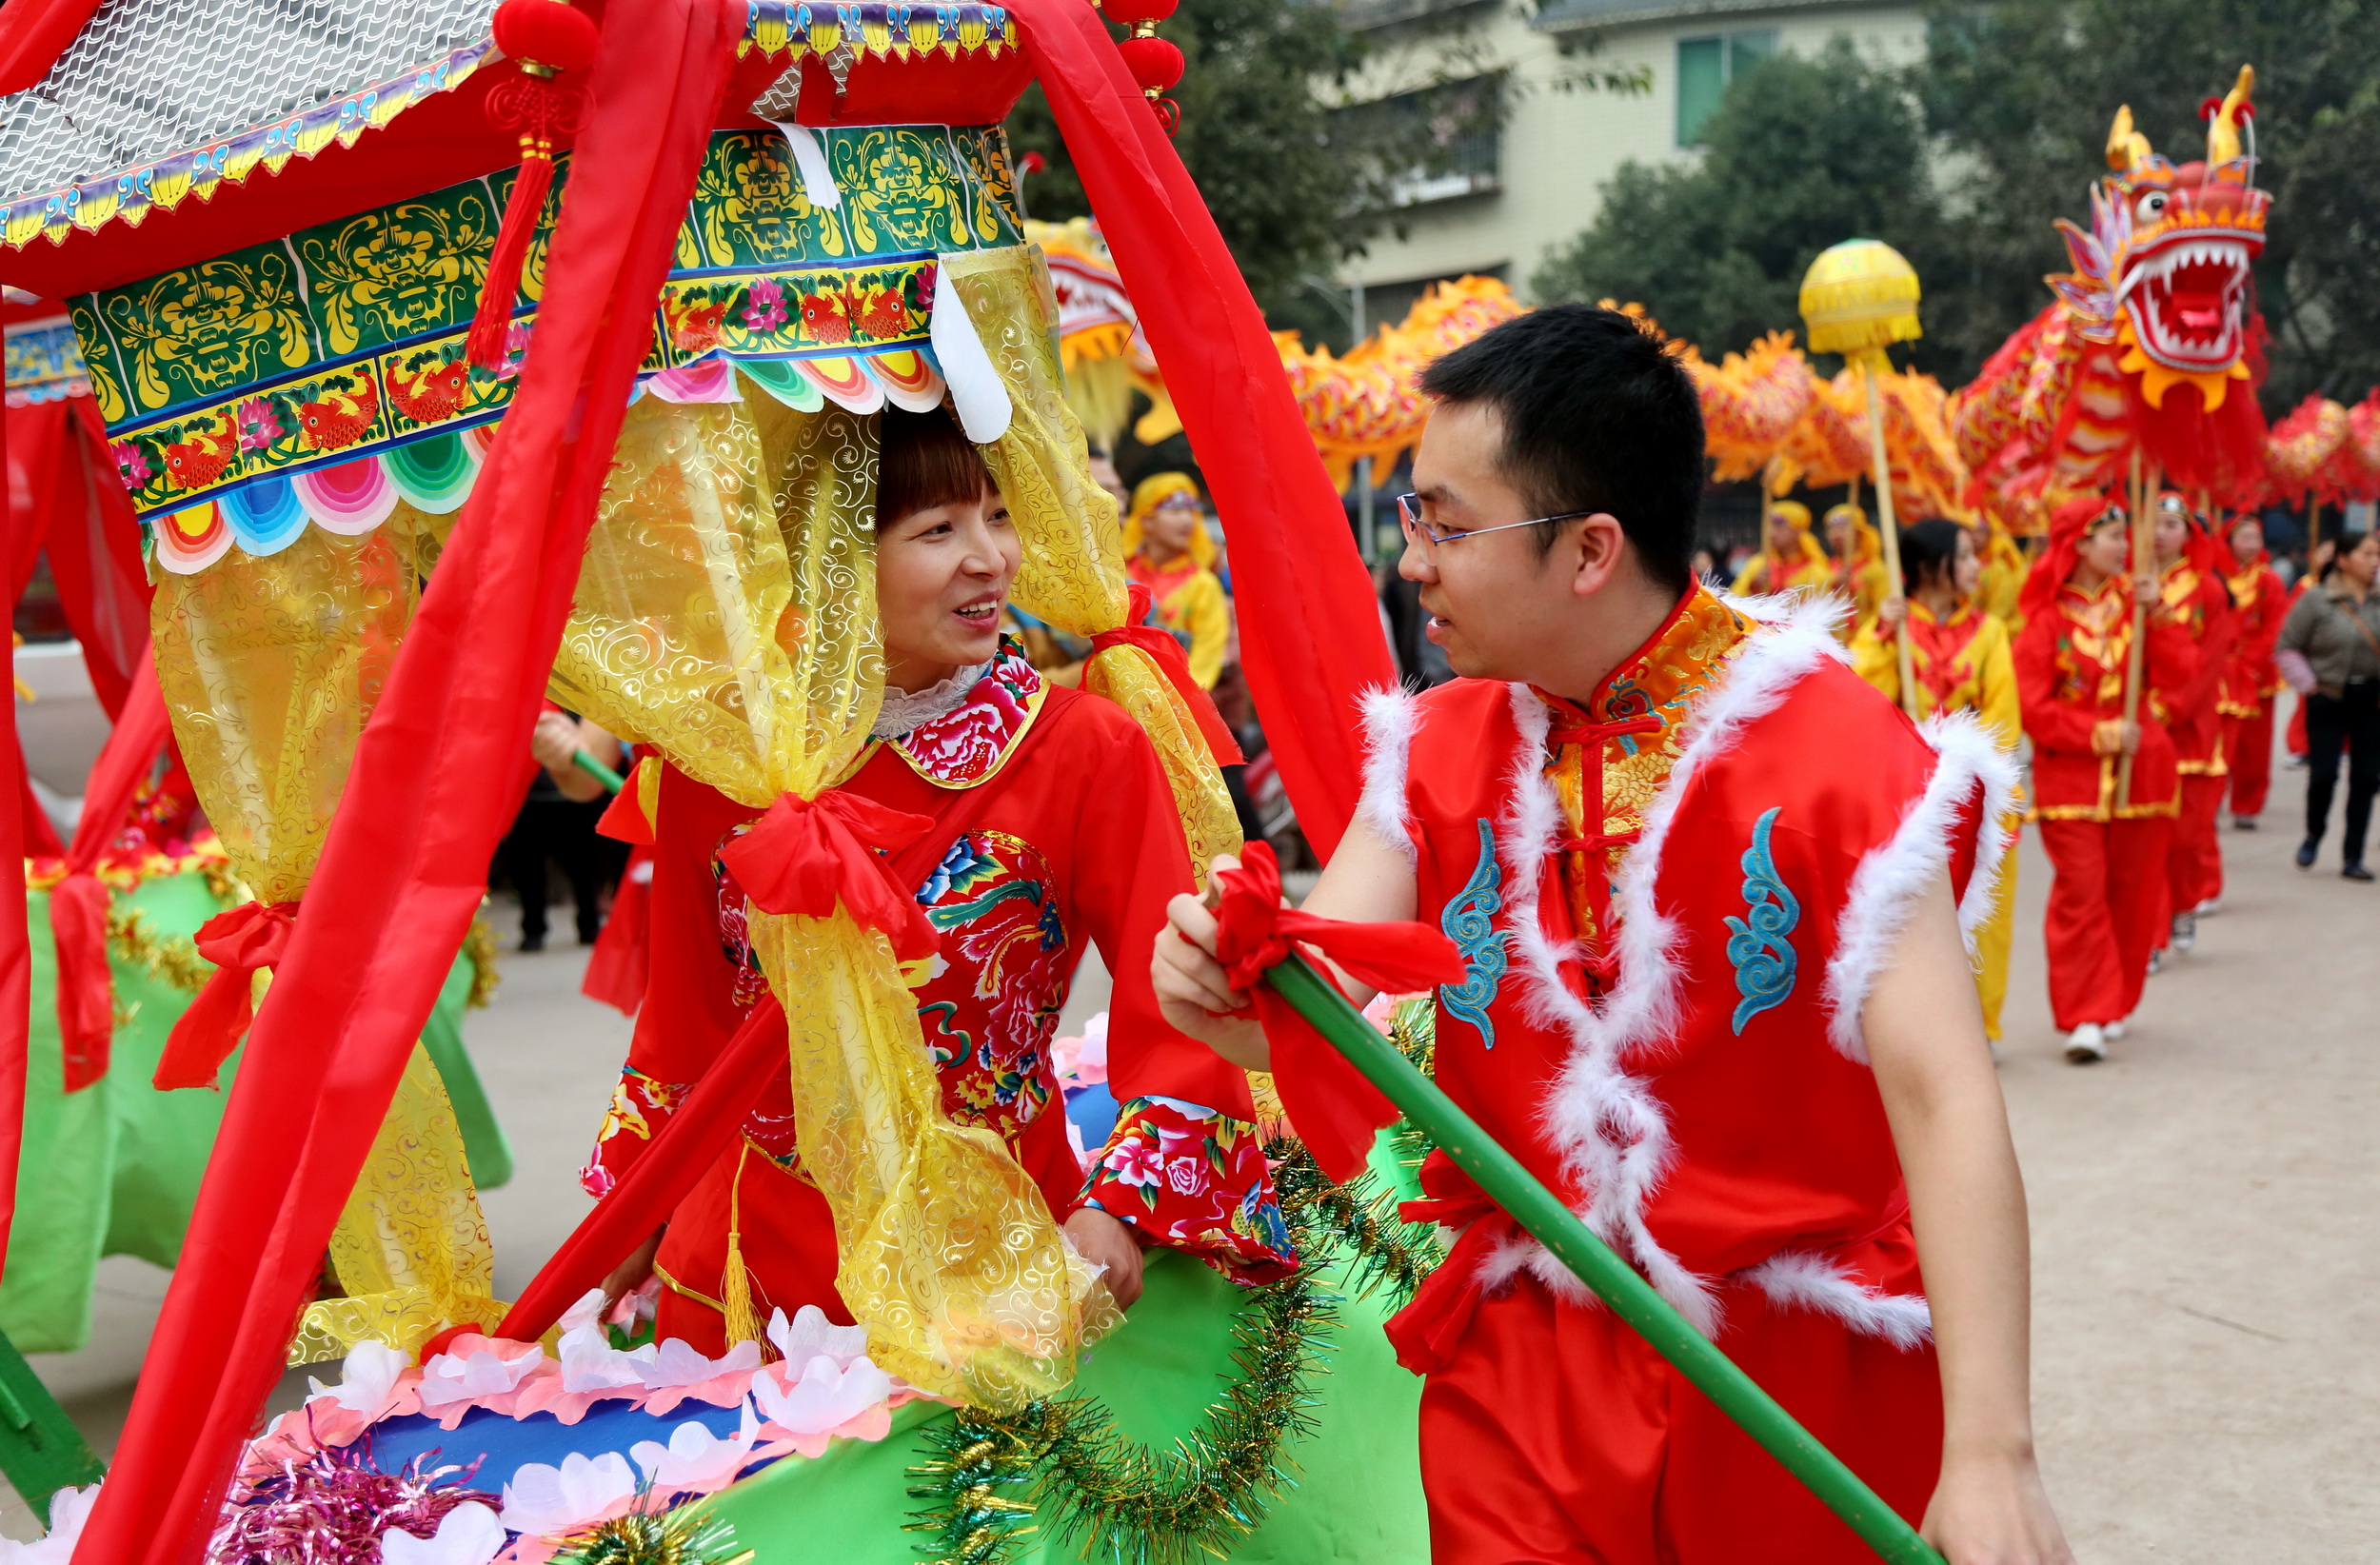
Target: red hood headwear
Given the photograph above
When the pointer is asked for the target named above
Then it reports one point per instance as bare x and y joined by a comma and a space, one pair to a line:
2069, 525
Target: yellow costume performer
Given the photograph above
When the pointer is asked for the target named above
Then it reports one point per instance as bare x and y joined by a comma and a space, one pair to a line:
1190, 600
1781, 566
1963, 659
1856, 571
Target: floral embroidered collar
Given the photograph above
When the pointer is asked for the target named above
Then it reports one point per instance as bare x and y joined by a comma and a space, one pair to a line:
1658, 681
970, 743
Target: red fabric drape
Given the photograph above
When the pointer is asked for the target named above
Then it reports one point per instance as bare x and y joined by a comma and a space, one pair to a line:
33, 35
1310, 635
16, 967
94, 546
78, 904
441, 764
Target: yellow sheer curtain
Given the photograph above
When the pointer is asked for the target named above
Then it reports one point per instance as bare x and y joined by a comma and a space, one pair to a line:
727, 616
411, 1250
270, 665
1073, 574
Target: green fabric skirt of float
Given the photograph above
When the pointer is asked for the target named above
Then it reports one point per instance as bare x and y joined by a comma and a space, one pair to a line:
1356, 1500
113, 1169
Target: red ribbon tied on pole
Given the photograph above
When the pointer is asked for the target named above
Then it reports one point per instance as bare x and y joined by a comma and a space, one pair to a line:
805, 855
1161, 645
238, 943
1331, 1105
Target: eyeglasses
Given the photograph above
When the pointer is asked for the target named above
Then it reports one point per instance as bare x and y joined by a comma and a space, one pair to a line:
1409, 514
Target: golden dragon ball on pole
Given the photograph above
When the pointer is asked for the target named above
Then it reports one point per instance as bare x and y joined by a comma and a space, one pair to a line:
1857, 299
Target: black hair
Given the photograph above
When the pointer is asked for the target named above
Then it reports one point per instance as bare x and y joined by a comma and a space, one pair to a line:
1597, 416
2345, 543
924, 460
1932, 544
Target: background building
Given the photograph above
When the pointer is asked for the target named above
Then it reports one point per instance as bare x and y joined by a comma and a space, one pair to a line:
1535, 179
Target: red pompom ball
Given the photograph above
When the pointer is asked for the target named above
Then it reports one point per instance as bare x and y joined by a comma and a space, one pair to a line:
1129, 13
547, 31
1155, 63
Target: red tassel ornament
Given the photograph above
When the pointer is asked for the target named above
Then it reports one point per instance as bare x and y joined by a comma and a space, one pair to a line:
547, 39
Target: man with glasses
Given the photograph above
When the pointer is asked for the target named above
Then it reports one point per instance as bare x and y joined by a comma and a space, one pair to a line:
1711, 891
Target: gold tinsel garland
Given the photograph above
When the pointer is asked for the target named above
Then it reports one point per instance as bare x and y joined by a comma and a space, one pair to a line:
687, 1536
171, 957
479, 944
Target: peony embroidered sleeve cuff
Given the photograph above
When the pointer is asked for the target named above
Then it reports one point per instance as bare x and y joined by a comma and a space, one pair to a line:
1194, 1179
640, 1106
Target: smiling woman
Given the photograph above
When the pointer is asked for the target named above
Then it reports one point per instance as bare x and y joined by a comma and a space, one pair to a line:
946, 551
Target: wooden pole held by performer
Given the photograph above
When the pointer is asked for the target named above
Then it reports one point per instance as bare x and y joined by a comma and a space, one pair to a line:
2144, 552
1886, 529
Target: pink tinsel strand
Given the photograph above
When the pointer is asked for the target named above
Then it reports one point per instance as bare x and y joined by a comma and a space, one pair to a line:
332, 1510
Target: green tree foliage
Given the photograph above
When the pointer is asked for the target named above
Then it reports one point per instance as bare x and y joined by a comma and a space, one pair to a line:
1964, 161
1803, 154
2021, 92
1294, 183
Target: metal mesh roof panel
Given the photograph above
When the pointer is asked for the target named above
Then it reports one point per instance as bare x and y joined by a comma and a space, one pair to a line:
149, 78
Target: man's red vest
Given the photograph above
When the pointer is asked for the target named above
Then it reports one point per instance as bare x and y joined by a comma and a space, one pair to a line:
1712, 1115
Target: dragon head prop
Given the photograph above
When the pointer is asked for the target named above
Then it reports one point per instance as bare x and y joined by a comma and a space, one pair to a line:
2163, 270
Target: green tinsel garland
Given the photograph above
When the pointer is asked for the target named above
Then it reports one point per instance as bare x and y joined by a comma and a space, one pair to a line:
1062, 1460
1130, 1504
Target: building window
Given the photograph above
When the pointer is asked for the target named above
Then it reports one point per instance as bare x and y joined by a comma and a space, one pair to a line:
1705, 66
1447, 140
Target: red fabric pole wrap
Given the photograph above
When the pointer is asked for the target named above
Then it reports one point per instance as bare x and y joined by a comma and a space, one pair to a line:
1310, 632
78, 904
805, 855
1160, 644
16, 964
688, 1143
405, 862
1332, 1107
239, 942
33, 34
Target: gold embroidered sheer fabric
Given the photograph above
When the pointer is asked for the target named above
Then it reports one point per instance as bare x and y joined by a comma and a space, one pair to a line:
270, 665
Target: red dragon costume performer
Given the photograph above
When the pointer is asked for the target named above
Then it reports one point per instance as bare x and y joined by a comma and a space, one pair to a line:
2251, 682
2196, 599
2151, 350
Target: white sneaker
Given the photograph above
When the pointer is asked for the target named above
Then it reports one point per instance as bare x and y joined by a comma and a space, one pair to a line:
2156, 962
2086, 1044
2185, 936
2116, 1030
2212, 905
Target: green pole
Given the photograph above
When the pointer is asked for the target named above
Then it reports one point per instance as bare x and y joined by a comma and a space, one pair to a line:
1630, 1296
612, 780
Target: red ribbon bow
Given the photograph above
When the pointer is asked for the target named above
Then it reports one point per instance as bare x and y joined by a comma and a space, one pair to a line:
1333, 1107
1159, 643
238, 943
805, 855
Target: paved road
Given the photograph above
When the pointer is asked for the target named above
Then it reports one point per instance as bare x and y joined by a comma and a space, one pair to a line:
2207, 1262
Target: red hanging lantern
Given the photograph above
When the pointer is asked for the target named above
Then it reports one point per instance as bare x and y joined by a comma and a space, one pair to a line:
1155, 63
547, 40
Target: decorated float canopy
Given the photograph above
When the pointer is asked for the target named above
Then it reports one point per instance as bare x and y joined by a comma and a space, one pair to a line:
318, 373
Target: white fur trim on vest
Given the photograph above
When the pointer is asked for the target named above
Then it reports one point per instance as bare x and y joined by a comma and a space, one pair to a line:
1613, 1133
1389, 716
1814, 1283
1885, 890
